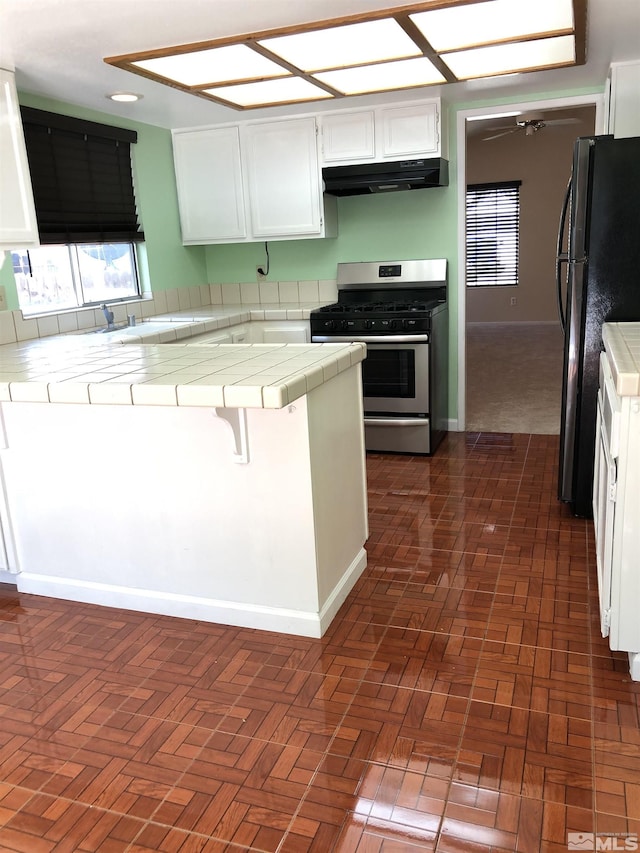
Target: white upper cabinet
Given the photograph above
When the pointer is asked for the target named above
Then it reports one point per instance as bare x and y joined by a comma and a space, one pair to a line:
623, 94
283, 177
409, 130
251, 182
348, 137
210, 187
386, 133
18, 226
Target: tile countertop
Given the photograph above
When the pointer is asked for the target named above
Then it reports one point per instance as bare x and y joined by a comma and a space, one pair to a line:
622, 343
85, 368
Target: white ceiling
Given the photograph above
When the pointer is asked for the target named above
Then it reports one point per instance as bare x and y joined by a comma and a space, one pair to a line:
57, 48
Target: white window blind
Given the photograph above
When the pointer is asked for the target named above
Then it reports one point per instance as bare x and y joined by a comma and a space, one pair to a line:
493, 233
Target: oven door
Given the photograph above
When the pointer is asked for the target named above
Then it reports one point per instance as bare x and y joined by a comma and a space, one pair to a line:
395, 378
395, 373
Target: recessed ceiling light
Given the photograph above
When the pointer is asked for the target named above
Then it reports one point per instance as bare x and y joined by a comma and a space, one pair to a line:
124, 97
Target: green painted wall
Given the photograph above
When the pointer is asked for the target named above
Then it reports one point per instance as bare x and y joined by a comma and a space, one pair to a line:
376, 227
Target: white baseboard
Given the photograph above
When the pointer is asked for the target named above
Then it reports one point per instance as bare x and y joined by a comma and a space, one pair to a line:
342, 590
280, 620
7, 577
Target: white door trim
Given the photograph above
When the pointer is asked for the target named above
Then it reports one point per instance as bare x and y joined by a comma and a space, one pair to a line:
461, 135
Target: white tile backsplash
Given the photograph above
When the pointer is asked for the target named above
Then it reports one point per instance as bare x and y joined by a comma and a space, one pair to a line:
231, 293
15, 328
159, 302
173, 303
288, 291
7, 328
327, 291
25, 329
269, 292
249, 292
308, 291
86, 319
48, 326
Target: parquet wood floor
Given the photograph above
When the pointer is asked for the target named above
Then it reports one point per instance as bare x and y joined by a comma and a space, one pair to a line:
462, 700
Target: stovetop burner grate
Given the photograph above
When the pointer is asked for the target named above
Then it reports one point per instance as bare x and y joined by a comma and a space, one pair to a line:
378, 307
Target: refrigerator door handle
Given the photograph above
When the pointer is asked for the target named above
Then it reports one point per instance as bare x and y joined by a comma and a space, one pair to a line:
562, 257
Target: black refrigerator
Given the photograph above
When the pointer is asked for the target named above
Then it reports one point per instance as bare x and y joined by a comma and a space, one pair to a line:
598, 278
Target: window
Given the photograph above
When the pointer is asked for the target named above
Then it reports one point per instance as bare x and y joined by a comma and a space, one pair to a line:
70, 276
493, 233
86, 210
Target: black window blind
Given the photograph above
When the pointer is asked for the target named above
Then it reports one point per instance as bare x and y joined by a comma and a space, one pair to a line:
493, 233
82, 179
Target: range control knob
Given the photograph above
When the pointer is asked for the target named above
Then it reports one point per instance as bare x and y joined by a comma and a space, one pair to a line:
393, 324
330, 324
368, 324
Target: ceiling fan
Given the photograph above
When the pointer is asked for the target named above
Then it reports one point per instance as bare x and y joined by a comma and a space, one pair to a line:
530, 123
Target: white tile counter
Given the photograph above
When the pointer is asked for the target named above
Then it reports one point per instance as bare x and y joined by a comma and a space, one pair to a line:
156, 367
267, 376
622, 343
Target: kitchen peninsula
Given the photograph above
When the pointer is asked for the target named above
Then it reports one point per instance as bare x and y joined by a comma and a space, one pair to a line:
217, 482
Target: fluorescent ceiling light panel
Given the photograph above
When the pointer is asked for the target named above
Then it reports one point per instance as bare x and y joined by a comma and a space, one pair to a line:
383, 77
283, 91
339, 47
215, 65
509, 58
494, 21
418, 44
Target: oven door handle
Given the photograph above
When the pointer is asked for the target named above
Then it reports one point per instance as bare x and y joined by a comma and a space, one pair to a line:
370, 339
396, 422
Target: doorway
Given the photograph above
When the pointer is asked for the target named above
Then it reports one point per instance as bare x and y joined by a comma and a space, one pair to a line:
510, 340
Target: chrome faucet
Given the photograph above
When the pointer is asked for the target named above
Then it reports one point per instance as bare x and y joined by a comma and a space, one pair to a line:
108, 315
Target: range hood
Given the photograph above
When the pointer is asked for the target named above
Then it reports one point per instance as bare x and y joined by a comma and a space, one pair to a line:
361, 179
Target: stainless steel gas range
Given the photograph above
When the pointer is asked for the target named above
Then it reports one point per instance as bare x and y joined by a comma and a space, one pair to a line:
399, 309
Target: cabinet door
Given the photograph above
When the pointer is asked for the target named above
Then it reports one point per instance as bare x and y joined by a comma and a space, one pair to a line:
286, 333
624, 100
283, 178
604, 507
18, 226
409, 130
209, 181
348, 137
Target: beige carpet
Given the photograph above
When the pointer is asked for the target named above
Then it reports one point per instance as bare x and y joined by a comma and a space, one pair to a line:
514, 377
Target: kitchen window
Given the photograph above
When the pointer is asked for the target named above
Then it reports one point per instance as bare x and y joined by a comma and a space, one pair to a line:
70, 276
493, 234
85, 203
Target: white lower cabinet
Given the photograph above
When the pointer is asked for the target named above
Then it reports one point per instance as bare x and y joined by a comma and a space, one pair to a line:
251, 182
616, 515
18, 225
280, 332
257, 332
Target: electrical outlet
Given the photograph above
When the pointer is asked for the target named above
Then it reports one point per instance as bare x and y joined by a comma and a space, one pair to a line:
3, 298
260, 276
514, 300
